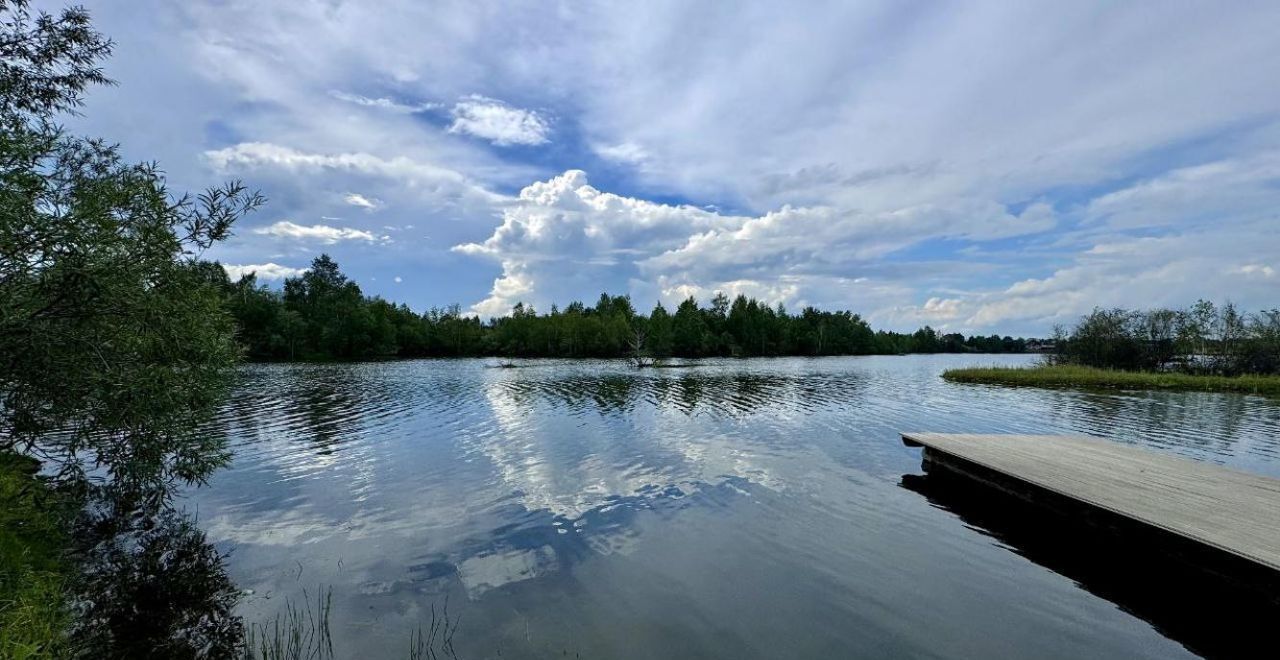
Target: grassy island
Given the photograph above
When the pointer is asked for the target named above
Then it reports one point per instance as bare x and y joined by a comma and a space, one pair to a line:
1095, 378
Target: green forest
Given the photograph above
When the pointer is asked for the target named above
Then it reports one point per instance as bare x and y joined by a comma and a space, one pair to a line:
323, 315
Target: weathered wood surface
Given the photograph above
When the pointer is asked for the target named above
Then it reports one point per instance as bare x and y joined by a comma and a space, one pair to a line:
1233, 511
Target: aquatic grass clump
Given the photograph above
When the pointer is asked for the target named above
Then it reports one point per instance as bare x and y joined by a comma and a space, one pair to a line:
302, 632
1059, 376
439, 634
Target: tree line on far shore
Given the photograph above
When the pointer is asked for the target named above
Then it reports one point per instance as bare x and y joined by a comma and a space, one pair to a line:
1202, 339
323, 315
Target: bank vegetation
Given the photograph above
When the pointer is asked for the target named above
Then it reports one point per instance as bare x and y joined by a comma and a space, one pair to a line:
1204, 347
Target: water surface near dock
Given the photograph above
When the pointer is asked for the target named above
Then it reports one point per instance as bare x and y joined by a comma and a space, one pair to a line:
733, 508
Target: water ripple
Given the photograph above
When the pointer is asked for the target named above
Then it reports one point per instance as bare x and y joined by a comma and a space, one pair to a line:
572, 481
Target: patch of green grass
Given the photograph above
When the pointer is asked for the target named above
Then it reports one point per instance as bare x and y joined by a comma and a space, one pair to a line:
1093, 378
33, 566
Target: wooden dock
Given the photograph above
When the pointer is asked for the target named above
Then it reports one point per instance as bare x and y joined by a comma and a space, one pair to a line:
1226, 510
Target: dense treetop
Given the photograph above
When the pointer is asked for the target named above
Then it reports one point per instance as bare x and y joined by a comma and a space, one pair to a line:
322, 314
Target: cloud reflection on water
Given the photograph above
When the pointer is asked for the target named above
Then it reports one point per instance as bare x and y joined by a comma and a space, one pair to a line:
403, 482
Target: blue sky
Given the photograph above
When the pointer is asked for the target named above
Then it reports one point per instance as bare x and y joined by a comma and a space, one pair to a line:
978, 167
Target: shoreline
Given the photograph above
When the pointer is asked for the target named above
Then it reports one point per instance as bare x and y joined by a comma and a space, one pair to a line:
664, 362
1091, 378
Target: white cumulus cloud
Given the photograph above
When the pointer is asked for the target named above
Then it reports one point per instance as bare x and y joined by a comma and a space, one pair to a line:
498, 122
367, 203
623, 152
267, 271
1256, 270
323, 233
265, 154
383, 103
563, 237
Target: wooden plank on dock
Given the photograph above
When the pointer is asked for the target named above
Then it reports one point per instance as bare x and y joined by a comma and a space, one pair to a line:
1232, 511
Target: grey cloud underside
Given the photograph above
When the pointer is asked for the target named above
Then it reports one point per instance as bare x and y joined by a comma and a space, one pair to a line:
983, 166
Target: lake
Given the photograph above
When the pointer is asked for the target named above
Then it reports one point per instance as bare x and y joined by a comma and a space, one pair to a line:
727, 509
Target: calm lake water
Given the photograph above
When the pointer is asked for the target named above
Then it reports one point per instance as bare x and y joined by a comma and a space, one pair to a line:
732, 509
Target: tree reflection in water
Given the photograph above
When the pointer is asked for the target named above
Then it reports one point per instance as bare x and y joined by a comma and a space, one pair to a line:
153, 586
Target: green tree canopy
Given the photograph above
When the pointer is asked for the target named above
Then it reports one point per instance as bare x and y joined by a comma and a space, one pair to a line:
113, 340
